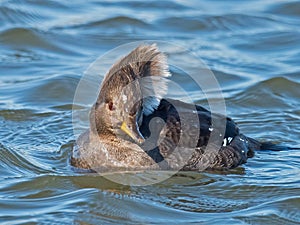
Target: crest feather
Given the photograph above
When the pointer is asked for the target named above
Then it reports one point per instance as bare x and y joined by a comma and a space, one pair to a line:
145, 65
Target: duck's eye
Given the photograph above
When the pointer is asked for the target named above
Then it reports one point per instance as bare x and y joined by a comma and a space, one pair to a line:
110, 105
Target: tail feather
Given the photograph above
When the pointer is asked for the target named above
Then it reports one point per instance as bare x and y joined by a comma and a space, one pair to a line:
275, 147
254, 145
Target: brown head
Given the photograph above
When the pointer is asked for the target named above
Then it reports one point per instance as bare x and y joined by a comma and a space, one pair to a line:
131, 88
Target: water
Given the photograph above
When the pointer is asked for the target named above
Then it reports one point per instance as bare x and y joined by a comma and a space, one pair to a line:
253, 48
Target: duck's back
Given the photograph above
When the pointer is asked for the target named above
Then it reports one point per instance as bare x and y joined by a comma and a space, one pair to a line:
179, 134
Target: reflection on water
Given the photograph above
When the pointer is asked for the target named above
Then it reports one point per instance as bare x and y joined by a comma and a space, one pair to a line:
253, 49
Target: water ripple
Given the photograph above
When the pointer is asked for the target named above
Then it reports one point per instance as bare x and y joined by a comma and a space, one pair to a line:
286, 8
15, 164
253, 49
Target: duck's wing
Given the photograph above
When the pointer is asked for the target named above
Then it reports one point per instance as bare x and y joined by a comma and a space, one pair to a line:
188, 127
179, 120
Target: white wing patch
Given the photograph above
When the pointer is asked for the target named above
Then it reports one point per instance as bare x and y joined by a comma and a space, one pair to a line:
153, 88
227, 141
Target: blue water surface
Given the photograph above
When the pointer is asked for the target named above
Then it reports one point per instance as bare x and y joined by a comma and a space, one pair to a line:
253, 49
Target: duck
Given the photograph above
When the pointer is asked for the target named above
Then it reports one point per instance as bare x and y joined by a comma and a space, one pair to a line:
134, 127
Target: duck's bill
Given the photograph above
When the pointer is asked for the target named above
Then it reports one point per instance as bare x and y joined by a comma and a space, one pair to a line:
132, 131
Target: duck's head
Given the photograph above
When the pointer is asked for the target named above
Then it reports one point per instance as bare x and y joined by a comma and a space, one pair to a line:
131, 88
117, 117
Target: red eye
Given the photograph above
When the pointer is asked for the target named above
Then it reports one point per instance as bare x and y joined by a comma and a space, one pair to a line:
111, 106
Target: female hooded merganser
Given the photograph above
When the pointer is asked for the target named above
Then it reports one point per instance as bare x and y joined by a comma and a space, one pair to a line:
132, 127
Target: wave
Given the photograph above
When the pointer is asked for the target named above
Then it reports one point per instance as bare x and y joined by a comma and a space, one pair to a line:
51, 91
291, 8
16, 15
145, 5
217, 23
17, 208
15, 164
272, 92
117, 22
34, 44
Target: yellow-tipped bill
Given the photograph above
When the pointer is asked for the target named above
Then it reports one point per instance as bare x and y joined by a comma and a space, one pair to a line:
133, 132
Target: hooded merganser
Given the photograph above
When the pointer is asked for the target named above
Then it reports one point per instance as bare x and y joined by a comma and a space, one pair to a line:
132, 127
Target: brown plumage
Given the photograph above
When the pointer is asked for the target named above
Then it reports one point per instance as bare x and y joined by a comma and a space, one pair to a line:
133, 128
